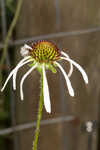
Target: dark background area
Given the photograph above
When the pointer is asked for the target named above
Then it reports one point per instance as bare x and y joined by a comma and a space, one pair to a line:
75, 27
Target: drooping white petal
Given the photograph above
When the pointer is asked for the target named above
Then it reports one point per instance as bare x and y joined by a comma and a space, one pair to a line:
70, 89
71, 66
85, 77
25, 58
23, 78
12, 72
46, 95
16, 70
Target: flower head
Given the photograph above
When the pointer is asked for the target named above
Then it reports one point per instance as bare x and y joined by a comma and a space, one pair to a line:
44, 55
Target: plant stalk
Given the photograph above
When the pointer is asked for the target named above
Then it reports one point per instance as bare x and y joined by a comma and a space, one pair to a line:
39, 116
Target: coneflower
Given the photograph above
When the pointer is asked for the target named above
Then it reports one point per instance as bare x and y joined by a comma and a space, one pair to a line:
44, 55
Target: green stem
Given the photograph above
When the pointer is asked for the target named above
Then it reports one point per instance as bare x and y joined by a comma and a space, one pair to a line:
39, 116
10, 32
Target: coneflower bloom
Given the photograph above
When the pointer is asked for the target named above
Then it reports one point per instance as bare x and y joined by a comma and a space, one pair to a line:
44, 55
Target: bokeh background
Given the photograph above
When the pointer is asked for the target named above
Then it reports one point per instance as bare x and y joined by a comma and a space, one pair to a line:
75, 27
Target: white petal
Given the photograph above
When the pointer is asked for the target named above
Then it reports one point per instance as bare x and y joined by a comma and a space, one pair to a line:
71, 66
25, 58
27, 46
85, 77
16, 70
47, 103
11, 73
71, 91
25, 50
23, 78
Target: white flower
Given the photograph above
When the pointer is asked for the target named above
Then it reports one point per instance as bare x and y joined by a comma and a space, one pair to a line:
44, 55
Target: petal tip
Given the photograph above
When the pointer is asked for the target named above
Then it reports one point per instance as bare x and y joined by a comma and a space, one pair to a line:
14, 88
49, 111
1, 90
72, 94
87, 81
22, 99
